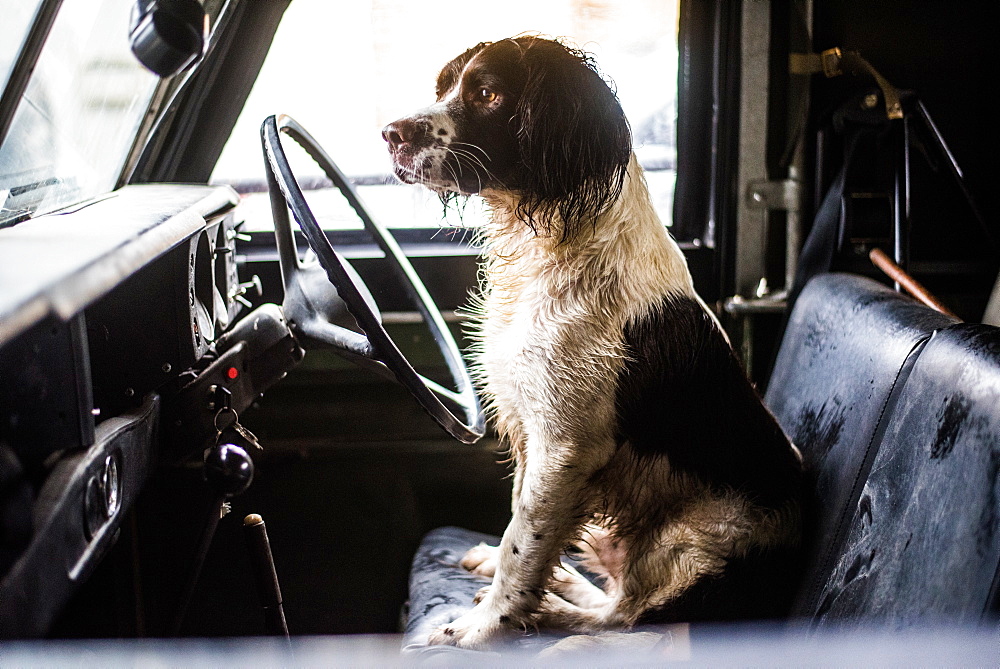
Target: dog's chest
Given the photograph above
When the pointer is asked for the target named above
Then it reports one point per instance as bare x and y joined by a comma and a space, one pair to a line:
518, 337
546, 348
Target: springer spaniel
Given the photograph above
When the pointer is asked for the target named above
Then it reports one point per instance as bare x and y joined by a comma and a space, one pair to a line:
633, 428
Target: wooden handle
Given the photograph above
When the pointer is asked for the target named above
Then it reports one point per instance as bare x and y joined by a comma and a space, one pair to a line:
911, 285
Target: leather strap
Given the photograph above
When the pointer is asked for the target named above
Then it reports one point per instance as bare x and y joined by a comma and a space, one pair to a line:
825, 237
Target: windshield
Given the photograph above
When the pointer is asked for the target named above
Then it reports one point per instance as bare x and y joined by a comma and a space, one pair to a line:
76, 122
345, 70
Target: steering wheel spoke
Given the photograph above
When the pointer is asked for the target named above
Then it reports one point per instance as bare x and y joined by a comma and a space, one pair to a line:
314, 311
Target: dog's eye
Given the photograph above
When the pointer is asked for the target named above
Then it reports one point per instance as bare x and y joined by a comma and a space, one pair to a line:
486, 96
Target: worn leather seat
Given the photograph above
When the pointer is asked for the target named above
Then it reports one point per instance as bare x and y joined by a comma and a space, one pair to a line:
848, 343
922, 542
440, 589
841, 385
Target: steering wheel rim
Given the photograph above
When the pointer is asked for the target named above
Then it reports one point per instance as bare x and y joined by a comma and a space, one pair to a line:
375, 348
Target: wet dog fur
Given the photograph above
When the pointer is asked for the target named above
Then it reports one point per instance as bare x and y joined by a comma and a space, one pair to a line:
634, 432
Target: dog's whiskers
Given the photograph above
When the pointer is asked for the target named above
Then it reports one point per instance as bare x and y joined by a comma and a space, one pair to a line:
478, 166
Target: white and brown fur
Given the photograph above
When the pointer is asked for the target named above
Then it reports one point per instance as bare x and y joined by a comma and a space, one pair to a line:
633, 429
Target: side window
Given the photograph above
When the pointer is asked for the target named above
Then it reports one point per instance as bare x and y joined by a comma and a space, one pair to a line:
345, 70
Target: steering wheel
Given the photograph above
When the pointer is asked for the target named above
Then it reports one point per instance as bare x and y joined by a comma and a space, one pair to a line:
315, 296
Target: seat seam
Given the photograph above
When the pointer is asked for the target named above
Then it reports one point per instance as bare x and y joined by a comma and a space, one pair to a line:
861, 476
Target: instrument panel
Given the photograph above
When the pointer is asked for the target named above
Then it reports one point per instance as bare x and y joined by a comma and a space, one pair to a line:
104, 309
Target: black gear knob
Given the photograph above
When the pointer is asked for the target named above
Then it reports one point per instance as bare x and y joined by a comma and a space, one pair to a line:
228, 468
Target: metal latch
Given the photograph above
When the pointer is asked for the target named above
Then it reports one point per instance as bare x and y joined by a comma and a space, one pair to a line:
828, 62
782, 195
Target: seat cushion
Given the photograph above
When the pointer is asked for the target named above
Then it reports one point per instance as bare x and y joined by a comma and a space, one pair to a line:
923, 540
849, 342
441, 590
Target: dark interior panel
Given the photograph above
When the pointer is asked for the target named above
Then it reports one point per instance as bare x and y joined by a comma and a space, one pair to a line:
937, 53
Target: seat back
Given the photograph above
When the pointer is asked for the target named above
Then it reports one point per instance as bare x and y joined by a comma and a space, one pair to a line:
922, 544
849, 342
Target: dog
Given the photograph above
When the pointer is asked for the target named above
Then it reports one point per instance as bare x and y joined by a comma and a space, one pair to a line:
634, 432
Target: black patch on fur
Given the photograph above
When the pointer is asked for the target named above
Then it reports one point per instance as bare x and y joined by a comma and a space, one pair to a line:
539, 536
514, 550
760, 586
504, 620
683, 393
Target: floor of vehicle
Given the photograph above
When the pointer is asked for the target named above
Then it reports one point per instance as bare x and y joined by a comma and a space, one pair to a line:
351, 477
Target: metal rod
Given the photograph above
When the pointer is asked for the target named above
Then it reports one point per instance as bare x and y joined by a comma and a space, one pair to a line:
907, 191
901, 197
194, 572
265, 575
956, 172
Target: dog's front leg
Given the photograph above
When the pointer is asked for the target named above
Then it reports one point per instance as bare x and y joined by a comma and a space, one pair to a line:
519, 454
552, 504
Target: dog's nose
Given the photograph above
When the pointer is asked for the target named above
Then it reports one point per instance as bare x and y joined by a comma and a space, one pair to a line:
400, 132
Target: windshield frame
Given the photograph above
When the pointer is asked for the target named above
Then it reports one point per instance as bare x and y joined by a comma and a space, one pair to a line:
25, 61
185, 140
153, 107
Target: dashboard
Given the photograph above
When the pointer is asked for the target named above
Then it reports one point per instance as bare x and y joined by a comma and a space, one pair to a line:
108, 311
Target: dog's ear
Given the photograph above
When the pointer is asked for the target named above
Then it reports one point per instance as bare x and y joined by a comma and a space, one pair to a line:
573, 137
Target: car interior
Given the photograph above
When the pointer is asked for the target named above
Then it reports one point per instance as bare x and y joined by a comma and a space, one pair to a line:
237, 424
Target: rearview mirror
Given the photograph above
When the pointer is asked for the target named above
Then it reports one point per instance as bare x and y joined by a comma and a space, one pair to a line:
168, 36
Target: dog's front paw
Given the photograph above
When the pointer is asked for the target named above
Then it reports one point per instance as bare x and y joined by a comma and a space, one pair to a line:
481, 560
475, 630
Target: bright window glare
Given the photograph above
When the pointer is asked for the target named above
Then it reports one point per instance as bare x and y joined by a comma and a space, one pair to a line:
345, 70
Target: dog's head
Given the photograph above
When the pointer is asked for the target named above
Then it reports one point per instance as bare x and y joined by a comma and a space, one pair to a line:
525, 115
